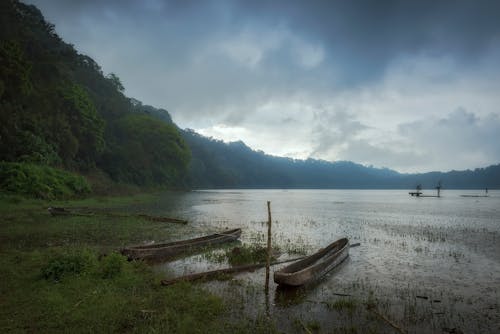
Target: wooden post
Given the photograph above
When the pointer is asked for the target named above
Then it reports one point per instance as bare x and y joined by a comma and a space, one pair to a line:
268, 260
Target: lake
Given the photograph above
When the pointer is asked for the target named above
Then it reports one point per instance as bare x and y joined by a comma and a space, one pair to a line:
424, 264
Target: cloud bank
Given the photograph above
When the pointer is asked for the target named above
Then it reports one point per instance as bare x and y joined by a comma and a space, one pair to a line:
407, 85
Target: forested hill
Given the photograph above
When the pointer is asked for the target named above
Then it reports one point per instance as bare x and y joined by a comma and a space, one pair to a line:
216, 164
58, 109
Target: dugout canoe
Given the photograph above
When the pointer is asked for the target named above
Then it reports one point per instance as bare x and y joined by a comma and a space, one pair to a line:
313, 266
171, 249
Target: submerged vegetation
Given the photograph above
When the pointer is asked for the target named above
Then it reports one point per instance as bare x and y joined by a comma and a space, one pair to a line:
240, 255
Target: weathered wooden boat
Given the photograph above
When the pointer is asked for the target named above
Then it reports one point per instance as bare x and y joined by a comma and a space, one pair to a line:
313, 266
171, 249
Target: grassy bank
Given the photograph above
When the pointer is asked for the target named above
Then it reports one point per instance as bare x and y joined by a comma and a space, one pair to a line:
62, 274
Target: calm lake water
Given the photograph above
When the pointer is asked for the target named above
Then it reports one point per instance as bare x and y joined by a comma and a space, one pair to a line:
427, 264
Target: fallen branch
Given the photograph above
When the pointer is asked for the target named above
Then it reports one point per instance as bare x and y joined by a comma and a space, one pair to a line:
162, 219
393, 325
342, 294
58, 211
215, 273
55, 211
305, 327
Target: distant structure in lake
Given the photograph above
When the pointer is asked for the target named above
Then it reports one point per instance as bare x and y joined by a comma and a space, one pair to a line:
419, 193
485, 194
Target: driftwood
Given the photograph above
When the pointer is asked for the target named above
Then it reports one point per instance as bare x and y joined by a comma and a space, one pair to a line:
390, 323
215, 273
162, 219
58, 211
308, 331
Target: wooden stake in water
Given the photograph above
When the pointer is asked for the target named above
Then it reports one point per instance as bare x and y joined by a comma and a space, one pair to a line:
268, 260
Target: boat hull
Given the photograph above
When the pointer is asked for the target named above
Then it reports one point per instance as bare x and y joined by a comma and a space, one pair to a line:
171, 249
314, 266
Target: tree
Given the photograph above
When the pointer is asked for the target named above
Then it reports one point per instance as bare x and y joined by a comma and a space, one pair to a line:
116, 82
86, 124
147, 151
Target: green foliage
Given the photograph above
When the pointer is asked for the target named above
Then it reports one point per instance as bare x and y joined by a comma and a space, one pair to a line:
116, 82
14, 70
58, 109
68, 264
246, 254
40, 181
83, 262
112, 265
56, 280
160, 155
87, 125
348, 305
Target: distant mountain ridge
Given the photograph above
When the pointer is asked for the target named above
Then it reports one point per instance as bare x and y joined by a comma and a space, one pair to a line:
216, 164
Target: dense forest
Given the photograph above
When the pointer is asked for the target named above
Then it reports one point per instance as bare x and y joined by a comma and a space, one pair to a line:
216, 164
61, 117
58, 109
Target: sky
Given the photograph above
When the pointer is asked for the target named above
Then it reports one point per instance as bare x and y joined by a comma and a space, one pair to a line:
409, 85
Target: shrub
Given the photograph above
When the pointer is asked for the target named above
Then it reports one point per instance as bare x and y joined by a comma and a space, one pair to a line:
247, 254
68, 264
112, 265
40, 181
80, 262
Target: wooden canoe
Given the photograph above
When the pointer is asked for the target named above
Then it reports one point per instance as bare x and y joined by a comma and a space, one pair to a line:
171, 249
313, 266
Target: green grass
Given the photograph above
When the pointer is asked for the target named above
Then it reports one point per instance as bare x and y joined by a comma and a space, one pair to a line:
62, 274
55, 292
241, 255
343, 304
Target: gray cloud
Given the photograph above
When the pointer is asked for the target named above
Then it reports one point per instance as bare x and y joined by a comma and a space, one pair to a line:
461, 137
334, 131
354, 76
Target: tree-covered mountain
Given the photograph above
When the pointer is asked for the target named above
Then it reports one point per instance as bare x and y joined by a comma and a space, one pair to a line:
216, 164
57, 108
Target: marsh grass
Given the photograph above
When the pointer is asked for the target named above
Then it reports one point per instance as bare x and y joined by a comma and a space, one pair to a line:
349, 305
240, 255
247, 254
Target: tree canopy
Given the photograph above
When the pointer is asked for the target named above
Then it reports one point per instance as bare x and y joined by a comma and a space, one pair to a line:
57, 108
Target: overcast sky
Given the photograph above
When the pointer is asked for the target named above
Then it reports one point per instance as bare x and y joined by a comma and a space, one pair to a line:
409, 85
